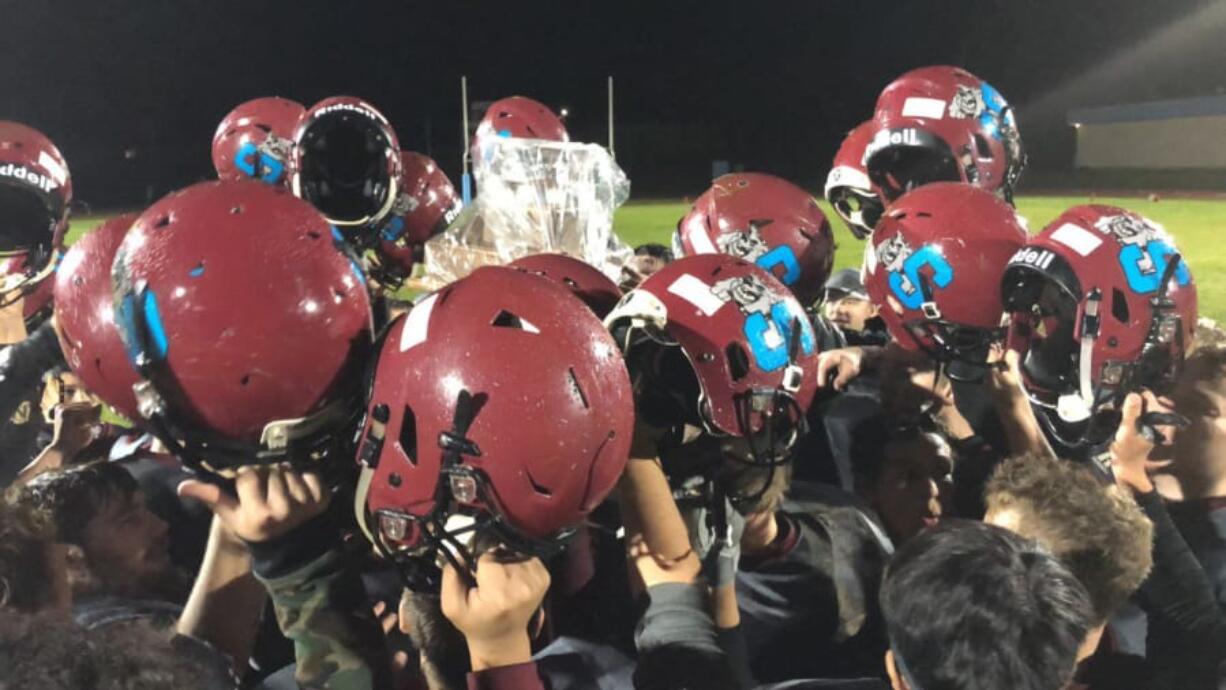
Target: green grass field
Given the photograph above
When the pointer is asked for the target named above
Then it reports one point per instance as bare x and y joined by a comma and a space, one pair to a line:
1194, 223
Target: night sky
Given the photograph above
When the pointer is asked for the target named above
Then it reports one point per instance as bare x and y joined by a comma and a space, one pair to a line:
771, 86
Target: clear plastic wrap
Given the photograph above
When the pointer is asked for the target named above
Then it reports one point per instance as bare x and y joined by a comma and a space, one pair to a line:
534, 196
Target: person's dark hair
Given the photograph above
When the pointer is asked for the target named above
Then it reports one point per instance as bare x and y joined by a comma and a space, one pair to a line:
1210, 335
970, 605
443, 648
49, 652
25, 580
655, 250
1207, 361
1096, 530
871, 436
74, 496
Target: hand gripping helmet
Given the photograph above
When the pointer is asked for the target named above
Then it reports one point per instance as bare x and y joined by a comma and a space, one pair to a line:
932, 266
85, 316
254, 140
943, 124
428, 203
35, 196
346, 162
848, 188
498, 405
716, 342
585, 281
247, 320
1101, 305
517, 117
768, 221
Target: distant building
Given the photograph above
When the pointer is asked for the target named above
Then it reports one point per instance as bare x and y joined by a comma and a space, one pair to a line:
1183, 134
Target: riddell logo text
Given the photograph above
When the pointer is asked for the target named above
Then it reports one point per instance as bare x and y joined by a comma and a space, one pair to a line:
1039, 258
31, 177
351, 108
892, 137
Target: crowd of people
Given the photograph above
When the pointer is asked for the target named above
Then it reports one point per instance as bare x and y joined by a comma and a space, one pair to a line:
234, 455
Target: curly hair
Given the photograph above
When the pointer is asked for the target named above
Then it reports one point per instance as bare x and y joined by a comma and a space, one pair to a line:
72, 497
1096, 530
51, 653
1209, 334
1207, 361
25, 580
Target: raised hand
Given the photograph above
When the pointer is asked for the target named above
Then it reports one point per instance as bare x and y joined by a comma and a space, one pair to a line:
1131, 450
268, 502
494, 615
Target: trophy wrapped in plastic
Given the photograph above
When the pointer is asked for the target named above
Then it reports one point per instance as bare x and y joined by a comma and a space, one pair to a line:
533, 196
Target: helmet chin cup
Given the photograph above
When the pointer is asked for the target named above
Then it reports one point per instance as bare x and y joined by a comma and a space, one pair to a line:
1073, 409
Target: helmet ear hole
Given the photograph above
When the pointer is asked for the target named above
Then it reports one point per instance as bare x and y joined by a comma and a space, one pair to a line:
1119, 306
408, 434
738, 361
982, 147
506, 319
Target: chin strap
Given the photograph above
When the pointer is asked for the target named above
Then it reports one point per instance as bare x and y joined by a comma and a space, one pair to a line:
1079, 406
25, 284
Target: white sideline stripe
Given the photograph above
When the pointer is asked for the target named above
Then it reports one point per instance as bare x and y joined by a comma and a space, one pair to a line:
697, 293
931, 108
417, 324
1077, 238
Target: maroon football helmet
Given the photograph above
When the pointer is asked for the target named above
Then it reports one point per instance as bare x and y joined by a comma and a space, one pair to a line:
428, 203
247, 321
848, 188
498, 404
254, 140
766, 220
1101, 305
517, 117
935, 258
85, 316
35, 196
943, 123
718, 343
346, 162
597, 290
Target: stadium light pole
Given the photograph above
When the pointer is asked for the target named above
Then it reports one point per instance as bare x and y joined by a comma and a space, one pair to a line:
612, 151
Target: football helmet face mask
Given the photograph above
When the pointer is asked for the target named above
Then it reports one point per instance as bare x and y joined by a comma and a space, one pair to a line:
346, 163
254, 140
517, 117
428, 203
274, 381
943, 123
35, 198
715, 342
85, 316
934, 259
449, 450
768, 221
848, 188
583, 280
1101, 304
